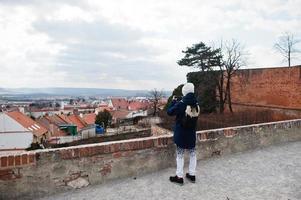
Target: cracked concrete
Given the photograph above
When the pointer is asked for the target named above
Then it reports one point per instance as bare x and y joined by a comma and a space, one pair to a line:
272, 173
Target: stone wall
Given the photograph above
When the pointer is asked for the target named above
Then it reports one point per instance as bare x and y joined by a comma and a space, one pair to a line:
276, 87
45, 172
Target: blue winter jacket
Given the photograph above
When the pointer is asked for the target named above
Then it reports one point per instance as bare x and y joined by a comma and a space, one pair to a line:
184, 138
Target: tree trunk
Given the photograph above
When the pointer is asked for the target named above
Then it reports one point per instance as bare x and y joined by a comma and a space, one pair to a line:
221, 94
229, 93
229, 100
221, 106
289, 59
155, 109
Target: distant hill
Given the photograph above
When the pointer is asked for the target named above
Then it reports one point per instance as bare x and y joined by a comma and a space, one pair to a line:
73, 92
2, 91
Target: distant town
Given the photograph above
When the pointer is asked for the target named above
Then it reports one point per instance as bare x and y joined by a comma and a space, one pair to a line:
31, 121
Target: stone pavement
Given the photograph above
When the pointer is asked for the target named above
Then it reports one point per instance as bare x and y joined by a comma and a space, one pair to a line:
272, 173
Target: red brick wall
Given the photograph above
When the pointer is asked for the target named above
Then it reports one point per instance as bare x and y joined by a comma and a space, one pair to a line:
276, 87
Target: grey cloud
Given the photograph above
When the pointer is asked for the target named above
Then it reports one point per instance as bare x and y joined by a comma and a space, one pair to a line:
40, 2
99, 47
96, 31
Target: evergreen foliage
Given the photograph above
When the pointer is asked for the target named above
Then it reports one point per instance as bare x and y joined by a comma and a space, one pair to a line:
205, 89
103, 118
201, 56
176, 92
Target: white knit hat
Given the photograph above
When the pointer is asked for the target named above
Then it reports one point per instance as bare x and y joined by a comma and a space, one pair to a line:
187, 88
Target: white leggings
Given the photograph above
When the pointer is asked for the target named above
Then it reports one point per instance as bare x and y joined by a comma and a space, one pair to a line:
180, 162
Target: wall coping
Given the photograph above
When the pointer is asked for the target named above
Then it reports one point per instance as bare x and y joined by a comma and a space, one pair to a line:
249, 126
272, 67
99, 144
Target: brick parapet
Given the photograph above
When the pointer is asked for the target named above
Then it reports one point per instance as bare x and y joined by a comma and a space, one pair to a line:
50, 170
117, 147
17, 160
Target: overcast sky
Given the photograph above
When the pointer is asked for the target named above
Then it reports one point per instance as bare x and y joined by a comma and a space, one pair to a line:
130, 44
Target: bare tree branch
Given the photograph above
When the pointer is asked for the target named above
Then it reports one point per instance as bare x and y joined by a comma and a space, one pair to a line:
234, 58
156, 95
286, 46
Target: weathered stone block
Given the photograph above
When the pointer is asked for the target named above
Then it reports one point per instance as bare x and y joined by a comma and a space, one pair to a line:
78, 183
24, 159
17, 160
3, 161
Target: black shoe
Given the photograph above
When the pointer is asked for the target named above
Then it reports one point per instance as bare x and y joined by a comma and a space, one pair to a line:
191, 178
176, 179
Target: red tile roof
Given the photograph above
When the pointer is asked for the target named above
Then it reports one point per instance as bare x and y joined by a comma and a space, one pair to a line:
89, 118
28, 123
51, 127
123, 104
65, 118
76, 120
120, 104
55, 119
139, 105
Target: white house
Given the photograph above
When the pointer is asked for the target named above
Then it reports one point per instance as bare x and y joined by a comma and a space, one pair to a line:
18, 131
13, 136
